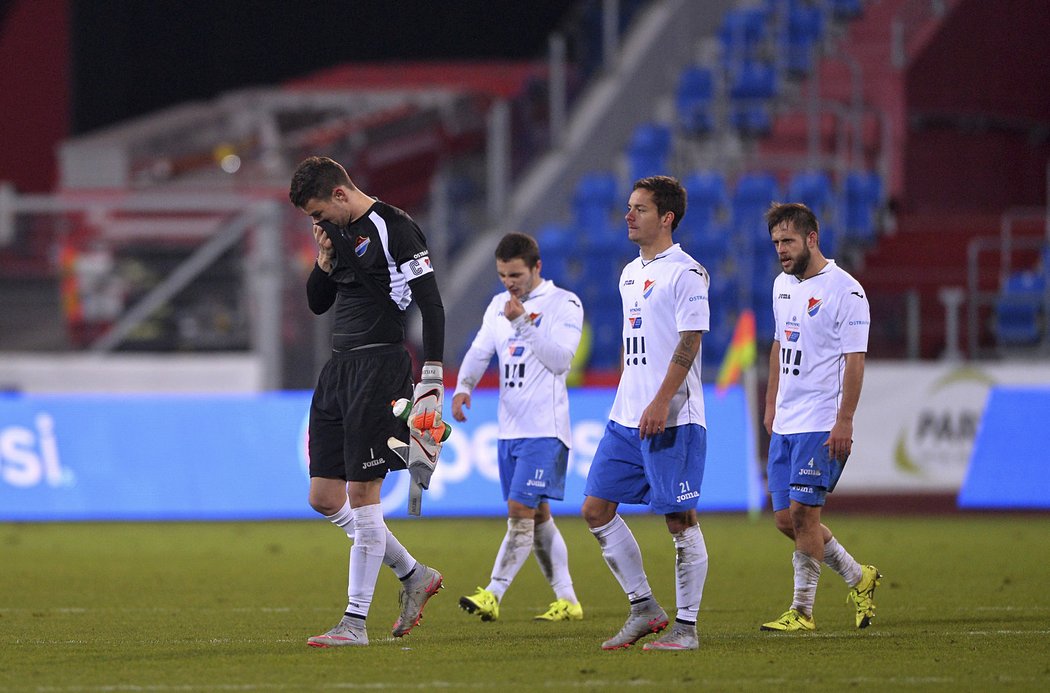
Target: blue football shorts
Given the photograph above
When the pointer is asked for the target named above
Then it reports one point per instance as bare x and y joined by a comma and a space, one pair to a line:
800, 469
532, 470
664, 472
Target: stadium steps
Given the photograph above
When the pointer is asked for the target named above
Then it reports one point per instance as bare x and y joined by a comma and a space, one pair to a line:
929, 252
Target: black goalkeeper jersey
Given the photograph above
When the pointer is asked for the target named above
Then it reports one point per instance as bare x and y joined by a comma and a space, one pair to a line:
391, 248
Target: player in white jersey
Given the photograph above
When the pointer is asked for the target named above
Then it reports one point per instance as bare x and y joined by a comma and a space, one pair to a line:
655, 444
533, 328
816, 368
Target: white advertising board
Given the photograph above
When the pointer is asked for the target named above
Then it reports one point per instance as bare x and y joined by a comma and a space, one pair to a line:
916, 423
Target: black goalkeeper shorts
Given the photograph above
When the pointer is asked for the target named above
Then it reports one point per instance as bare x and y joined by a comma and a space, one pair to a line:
350, 417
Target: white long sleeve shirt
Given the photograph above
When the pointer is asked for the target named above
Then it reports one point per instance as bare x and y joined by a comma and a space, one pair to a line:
534, 353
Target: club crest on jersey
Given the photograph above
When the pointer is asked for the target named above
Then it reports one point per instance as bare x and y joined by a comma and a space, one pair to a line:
535, 318
361, 245
792, 335
814, 307
647, 289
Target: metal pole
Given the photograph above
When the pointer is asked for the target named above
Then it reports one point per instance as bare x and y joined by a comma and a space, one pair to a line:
951, 298
610, 32
498, 159
265, 282
438, 230
1046, 209
7, 213
814, 120
972, 252
913, 313
196, 263
897, 43
556, 93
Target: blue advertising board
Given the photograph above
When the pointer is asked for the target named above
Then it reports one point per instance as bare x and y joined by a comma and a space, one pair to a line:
214, 457
1008, 465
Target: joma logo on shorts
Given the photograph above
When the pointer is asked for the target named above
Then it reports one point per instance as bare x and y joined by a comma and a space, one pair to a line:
373, 463
809, 472
687, 496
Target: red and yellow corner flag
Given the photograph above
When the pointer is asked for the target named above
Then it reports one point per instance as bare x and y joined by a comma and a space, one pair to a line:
741, 352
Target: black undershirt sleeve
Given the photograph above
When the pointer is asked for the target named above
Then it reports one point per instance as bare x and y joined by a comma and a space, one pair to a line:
320, 291
426, 295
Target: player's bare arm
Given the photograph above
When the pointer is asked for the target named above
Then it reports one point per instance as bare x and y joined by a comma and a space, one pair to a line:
654, 418
840, 442
771, 388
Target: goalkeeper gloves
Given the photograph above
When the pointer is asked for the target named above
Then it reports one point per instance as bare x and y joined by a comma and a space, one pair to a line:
423, 451
427, 399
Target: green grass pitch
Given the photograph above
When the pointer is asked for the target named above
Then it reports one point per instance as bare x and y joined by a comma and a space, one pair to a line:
228, 606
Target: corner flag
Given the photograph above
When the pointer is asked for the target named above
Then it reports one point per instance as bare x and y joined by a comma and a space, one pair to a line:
741, 353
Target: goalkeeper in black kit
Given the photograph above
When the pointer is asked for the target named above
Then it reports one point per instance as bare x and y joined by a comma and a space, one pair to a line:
372, 262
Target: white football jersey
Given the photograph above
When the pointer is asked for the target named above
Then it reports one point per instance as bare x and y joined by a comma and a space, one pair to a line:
534, 359
661, 298
818, 321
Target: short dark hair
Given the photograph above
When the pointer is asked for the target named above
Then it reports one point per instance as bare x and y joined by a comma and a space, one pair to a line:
797, 214
518, 245
668, 194
316, 178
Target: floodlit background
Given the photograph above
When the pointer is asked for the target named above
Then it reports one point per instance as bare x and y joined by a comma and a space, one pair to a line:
157, 354
147, 248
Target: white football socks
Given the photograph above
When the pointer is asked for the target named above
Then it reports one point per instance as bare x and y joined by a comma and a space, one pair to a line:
344, 519
366, 557
513, 552
690, 572
839, 560
396, 556
553, 557
624, 558
807, 573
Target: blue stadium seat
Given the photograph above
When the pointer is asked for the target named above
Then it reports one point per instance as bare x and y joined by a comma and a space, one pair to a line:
861, 197
595, 199
765, 325
752, 86
606, 321
755, 79
557, 248
716, 342
813, 189
830, 239
707, 201
1019, 312
803, 32
649, 150
742, 35
752, 196
694, 98
846, 9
